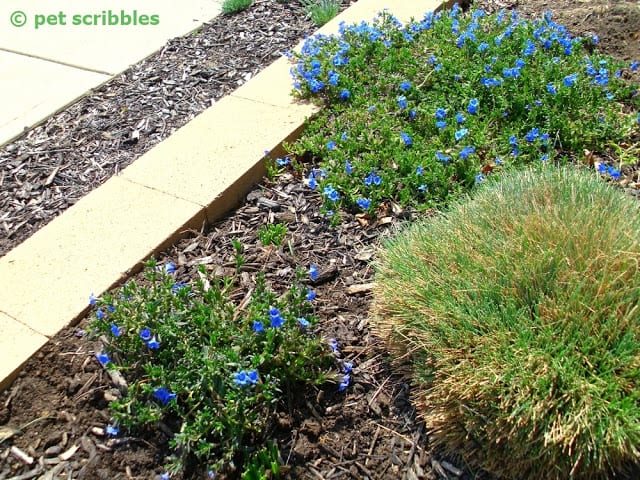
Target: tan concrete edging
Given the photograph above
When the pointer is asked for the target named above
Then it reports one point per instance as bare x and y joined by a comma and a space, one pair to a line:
195, 176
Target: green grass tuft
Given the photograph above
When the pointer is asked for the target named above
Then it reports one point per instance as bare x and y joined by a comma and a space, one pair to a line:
234, 6
518, 313
321, 11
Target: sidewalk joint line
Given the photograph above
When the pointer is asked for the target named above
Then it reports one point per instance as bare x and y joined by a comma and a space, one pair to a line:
71, 65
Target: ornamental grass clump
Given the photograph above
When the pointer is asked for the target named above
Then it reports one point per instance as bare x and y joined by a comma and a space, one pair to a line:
517, 312
212, 369
431, 108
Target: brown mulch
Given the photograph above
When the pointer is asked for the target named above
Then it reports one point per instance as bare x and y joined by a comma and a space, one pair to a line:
52, 166
59, 404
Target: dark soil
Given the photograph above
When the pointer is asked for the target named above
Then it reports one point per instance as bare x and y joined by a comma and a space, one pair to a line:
60, 402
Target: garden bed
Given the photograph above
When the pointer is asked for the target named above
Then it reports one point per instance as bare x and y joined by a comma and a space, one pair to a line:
369, 431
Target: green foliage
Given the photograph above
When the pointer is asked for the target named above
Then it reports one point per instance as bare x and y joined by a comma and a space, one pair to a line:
419, 114
272, 234
518, 311
234, 6
321, 11
264, 464
213, 370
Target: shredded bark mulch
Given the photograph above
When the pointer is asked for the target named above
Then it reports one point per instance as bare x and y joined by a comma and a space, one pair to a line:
52, 419
52, 166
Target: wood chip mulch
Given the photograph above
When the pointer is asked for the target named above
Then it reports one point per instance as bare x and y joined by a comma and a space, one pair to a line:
52, 166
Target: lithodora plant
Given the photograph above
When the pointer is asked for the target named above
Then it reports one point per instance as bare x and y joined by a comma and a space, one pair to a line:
213, 370
418, 113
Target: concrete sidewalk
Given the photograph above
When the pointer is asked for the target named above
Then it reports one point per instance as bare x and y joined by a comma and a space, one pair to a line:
52, 53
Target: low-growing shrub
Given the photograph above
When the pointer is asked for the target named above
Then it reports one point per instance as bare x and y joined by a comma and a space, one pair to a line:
211, 369
518, 314
417, 114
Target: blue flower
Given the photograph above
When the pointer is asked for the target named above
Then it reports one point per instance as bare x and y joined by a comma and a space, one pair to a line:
145, 334
347, 367
595, 39
441, 113
551, 89
303, 322
253, 376
176, 287
283, 161
412, 113
570, 80
164, 476
333, 78
472, 108
315, 85
441, 124
419, 170
363, 203
92, 300
112, 430
331, 193
544, 157
634, 66
100, 314
170, 268
602, 168
613, 173
346, 380
422, 188
331, 145
402, 101
609, 96
498, 161
163, 395
529, 49
404, 86
532, 135
153, 344
483, 46
348, 168
276, 319
103, 358
333, 344
460, 134
258, 327
406, 138
313, 272
116, 331
311, 181
442, 157
466, 151
479, 178
344, 136
371, 108
372, 179
460, 118
311, 295
345, 94
244, 378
